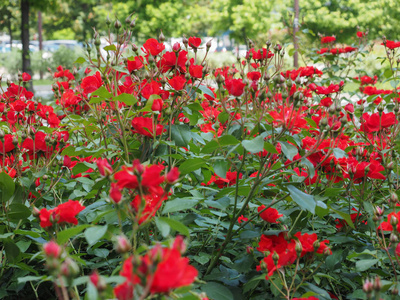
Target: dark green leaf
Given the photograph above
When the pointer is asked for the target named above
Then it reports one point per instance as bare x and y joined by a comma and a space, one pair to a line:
7, 186
289, 150
255, 145
191, 165
17, 211
217, 291
181, 135
128, 99
95, 233
179, 205
65, 235
175, 225
305, 201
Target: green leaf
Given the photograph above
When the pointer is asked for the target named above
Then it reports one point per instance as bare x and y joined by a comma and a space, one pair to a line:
163, 227
176, 225
17, 211
30, 278
102, 92
128, 99
345, 216
149, 103
388, 73
191, 165
7, 186
270, 148
95, 233
305, 201
181, 135
65, 235
206, 90
365, 264
339, 153
228, 140
110, 48
179, 205
80, 168
12, 250
217, 291
80, 60
210, 147
255, 145
220, 168
289, 150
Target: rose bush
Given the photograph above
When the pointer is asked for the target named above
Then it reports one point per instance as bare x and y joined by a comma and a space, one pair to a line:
153, 176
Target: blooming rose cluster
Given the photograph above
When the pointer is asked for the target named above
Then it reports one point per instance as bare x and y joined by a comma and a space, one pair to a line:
160, 270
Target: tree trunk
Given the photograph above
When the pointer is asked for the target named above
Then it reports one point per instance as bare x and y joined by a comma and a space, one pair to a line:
295, 30
40, 39
26, 60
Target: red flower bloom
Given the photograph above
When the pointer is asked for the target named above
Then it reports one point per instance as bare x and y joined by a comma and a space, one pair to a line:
144, 126
135, 64
92, 83
196, 71
194, 42
177, 82
327, 39
169, 61
115, 193
150, 88
63, 213
104, 167
333, 88
153, 47
254, 76
235, 87
387, 226
270, 215
157, 105
242, 219
26, 77
391, 44
375, 122
360, 34
172, 176
173, 271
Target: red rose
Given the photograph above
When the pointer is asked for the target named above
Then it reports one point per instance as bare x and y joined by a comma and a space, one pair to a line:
327, 39
196, 71
235, 87
135, 64
270, 214
194, 42
153, 47
104, 167
92, 83
177, 82
26, 77
144, 126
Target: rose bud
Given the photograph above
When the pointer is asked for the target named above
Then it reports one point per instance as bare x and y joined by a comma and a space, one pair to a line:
98, 281
172, 176
52, 249
104, 167
123, 245
115, 193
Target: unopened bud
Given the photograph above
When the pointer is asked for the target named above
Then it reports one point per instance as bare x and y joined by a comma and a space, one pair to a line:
123, 245
377, 284
298, 248
393, 197
69, 268
393, 238
275, 258
394, 221
368, 286
161, 37
117, 24
316, 245
208, 45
